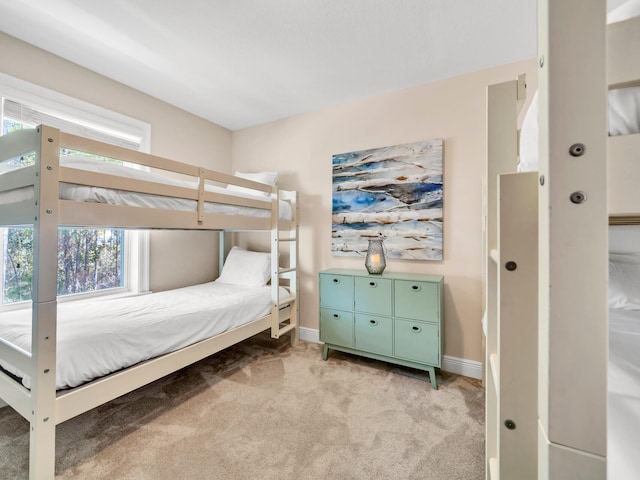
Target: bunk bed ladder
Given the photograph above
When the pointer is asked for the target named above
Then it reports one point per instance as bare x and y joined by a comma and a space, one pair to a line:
510, 272
290, 273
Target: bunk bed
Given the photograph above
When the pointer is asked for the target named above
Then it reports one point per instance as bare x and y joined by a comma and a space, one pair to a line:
57, 191
546, 257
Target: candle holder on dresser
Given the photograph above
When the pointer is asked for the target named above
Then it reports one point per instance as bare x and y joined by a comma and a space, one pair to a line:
375, 261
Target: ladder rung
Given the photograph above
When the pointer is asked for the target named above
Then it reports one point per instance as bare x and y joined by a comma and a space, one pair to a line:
286, 270
285, 300
286, 329
287, 239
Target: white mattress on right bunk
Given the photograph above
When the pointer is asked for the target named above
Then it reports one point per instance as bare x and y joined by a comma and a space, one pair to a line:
624, 394
99, 337
92, 194
623, 429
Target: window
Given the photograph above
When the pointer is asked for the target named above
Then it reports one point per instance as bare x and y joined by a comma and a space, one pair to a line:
90, 261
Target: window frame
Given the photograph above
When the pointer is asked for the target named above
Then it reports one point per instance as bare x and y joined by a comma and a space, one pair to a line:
136, 243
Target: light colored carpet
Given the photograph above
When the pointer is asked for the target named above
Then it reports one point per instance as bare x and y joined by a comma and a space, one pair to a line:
263, 410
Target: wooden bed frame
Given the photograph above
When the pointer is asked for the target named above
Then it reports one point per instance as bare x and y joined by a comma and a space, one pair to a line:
42, 406
546, 249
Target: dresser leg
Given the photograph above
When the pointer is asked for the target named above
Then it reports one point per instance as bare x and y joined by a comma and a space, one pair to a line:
432, 377
325, 352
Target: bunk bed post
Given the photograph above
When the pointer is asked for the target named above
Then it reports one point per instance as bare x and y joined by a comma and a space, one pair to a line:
43, 341
293, 262
222, 248
572, 372
275, 263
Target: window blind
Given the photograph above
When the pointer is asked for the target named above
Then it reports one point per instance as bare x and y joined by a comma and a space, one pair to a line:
33, 116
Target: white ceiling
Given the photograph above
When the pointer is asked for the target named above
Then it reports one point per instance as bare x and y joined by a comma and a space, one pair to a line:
246, 62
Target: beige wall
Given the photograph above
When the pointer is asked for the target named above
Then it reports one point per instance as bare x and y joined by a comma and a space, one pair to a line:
301, 147
177, 258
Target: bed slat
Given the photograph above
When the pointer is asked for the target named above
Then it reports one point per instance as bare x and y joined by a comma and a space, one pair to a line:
108, 216
18, 143
21, 213
84, 177
623, 170
21, 177
82, 144
16, 395
623, 53
16, 356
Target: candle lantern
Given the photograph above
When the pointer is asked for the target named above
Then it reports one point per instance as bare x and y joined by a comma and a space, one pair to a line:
375, 261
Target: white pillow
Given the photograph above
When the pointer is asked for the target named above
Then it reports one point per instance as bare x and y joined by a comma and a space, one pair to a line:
269, 178
624, 281
620, 257
627, 10
624, 119
529, 138
243, 267
624, 111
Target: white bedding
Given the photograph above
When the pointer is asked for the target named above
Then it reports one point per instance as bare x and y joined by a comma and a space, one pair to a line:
624, 105
82, 193
624, 119
623, 461
96, 338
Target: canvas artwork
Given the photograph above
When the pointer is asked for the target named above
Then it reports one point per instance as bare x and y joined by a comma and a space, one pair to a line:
395, 192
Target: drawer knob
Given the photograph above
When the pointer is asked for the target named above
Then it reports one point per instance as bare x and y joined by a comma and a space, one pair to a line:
416, 328
373, 322
335, 315
372, 284
415, 288
336, 280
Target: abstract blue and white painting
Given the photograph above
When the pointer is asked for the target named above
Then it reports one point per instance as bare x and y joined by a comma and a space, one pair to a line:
395, 192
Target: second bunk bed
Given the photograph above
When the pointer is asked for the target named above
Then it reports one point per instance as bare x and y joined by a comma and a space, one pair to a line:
549, 377
47, 353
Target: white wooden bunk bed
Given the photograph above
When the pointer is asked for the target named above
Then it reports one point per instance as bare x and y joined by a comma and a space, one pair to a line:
189, 197
546, 245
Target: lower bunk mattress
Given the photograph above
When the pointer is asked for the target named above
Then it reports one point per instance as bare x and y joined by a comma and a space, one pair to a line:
99, 337
623, 430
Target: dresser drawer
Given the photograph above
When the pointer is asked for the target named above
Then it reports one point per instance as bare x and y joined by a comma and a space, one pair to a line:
372, 295
336, 291
417, 300
374, 334
336, 327
417, 341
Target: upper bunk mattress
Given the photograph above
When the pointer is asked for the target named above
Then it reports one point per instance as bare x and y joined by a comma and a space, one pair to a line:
623, 103
93, 194
624, 119
99, 337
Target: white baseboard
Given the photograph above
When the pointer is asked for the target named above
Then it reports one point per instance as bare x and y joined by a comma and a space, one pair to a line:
459, 366
309, 334
462, 366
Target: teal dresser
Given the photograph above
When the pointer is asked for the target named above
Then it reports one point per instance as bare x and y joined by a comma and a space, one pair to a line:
395, 317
